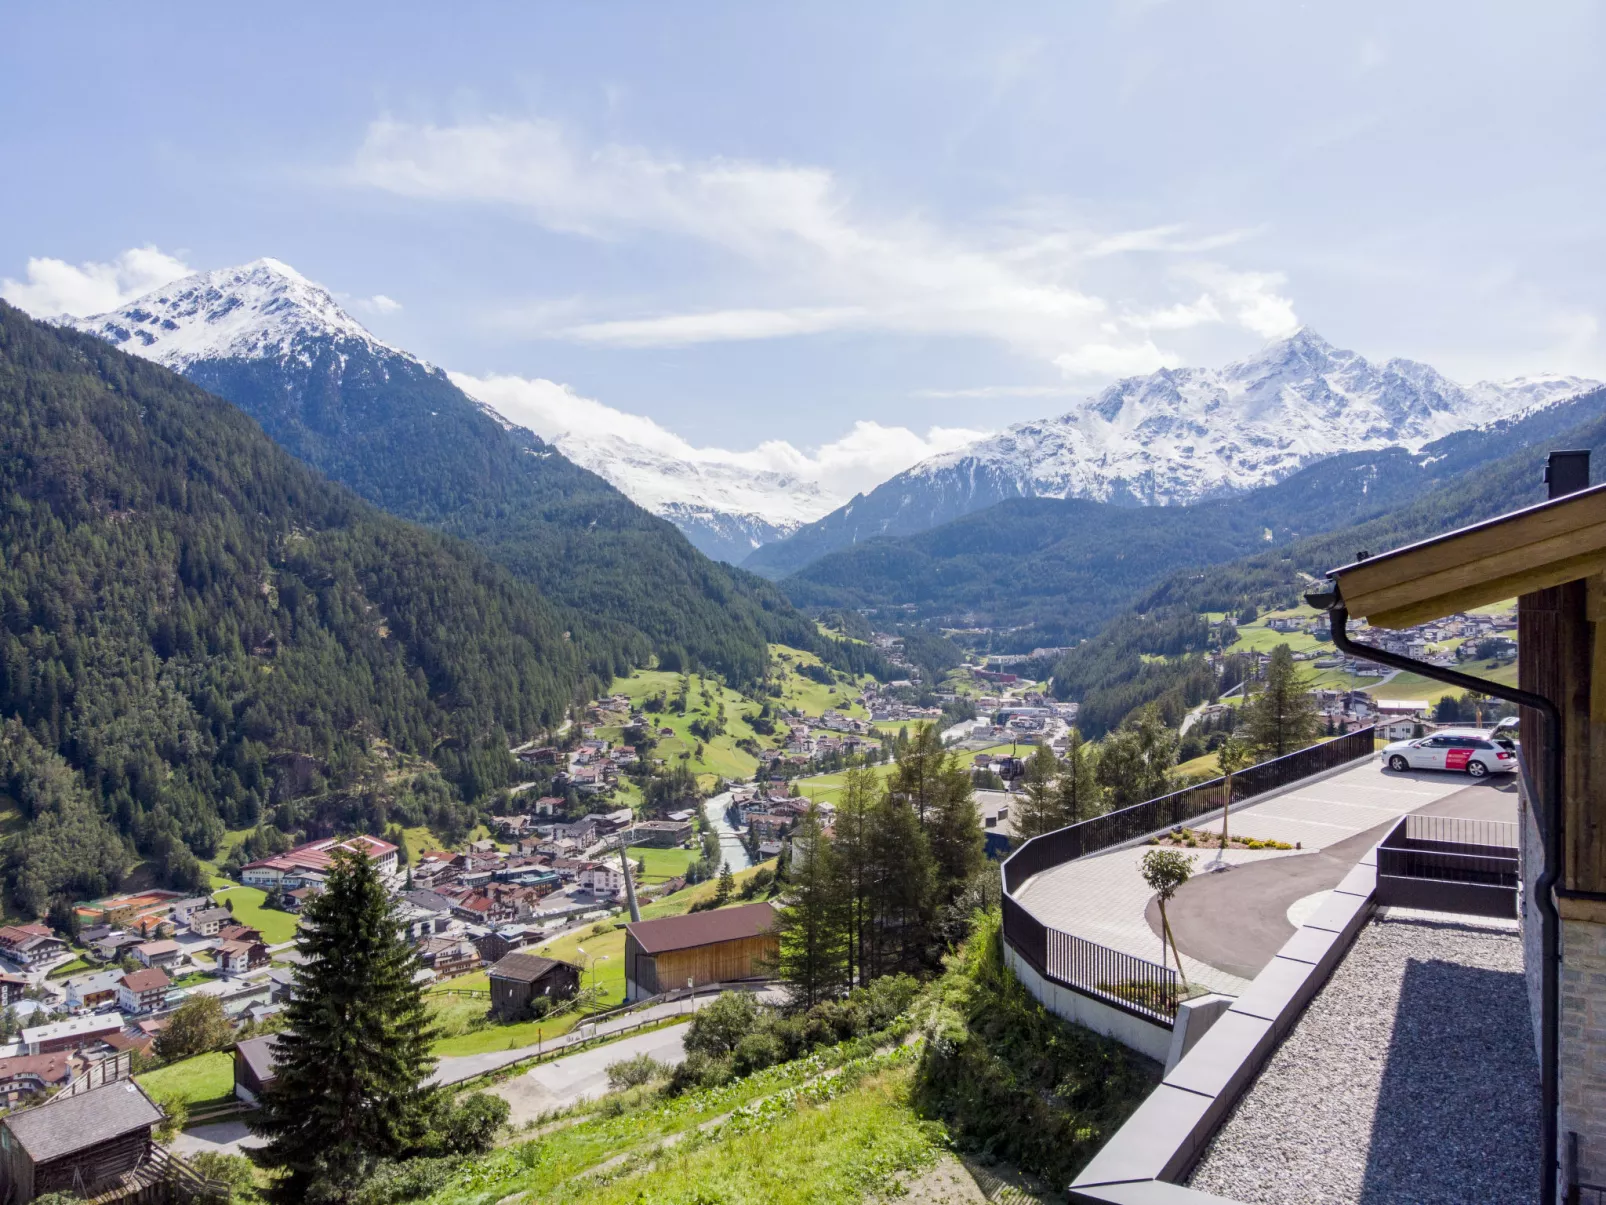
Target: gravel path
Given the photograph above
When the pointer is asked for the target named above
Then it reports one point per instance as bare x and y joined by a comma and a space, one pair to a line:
1411, 1077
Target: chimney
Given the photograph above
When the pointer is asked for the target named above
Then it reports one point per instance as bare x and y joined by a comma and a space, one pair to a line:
1567, 472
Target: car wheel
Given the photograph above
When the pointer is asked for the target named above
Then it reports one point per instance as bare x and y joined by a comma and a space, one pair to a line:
1477, 769
1398, 763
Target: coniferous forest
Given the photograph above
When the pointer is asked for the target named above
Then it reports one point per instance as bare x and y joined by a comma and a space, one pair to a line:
199, 633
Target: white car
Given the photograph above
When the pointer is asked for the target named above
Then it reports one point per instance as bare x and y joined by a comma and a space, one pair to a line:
1470, 752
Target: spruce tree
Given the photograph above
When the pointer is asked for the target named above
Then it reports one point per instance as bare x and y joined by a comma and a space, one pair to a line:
812, 955
1081, 798
350, 1071
726, 886
1282, 717
922, 764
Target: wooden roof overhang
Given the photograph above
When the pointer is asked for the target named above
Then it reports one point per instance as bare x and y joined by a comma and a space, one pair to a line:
1517, 553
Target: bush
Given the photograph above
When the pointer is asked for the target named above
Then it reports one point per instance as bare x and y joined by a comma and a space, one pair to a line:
717, 1029
633, 1072
469, 1126
233, 1170
699, 1070
411, 1180
758, 1050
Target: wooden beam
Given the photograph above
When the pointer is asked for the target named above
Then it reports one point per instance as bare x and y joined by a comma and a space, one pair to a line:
1526, 551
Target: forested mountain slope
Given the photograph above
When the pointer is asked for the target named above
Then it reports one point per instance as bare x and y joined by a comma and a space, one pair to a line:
199, 633
1109, 674
1055, 570
403, 436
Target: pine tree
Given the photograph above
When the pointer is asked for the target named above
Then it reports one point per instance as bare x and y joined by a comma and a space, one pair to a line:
1081, 798
1039, 810
350, 1084
811, 923
1282, 717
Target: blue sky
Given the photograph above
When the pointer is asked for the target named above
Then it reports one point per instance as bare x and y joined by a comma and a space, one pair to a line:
749, 222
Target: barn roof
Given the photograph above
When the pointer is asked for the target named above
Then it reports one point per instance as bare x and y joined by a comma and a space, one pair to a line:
259, 1055
525, 968
1516, 553
74, 1123
701, 928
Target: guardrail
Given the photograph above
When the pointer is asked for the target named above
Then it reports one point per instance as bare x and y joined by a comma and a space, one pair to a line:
1125, 981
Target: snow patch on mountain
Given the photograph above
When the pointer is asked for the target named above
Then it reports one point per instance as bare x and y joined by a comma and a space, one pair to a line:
1180, 435
262, 310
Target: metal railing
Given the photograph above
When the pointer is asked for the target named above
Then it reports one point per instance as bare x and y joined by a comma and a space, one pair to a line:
1151, 816
1130, 983
1456, 830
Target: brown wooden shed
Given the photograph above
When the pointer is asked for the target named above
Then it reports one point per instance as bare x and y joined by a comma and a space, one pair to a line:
77, 1143
721, 946
519, 980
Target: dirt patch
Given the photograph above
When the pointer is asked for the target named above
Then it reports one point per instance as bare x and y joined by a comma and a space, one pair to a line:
958, 1181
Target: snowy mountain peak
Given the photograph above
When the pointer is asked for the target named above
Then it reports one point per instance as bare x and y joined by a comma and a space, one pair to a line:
1183, 434
261, 310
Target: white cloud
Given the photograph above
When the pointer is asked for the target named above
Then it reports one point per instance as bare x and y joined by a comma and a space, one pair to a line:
1177, 317
829, 263
55, 287
1103, 360
1251, 299
987, 391
776, 478
383, 304
677, 330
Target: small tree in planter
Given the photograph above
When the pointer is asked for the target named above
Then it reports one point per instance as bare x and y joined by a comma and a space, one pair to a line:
1233, 755
1164, 870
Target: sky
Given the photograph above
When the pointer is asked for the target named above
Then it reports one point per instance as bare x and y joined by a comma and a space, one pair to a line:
849, 234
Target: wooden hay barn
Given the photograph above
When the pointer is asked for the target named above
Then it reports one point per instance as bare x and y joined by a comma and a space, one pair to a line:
76, 1144
721, 946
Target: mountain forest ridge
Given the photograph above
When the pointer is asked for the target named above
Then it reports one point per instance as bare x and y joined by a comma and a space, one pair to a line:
1174, 436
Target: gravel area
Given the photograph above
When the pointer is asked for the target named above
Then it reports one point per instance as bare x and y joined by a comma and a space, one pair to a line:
1412, 1077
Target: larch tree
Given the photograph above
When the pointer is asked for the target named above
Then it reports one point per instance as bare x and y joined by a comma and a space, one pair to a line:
954, 833
351, 1069
1135, 761
1080, 796
1038, 809
811, 923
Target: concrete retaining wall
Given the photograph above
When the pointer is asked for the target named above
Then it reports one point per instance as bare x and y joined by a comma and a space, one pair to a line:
1146, 1037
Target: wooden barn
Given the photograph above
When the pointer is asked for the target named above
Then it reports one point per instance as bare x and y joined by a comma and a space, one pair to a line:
83, 1143
518, 980
254, 1066
721, 946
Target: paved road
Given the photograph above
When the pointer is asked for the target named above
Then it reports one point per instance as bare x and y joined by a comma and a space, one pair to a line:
1237, 921
552, 1085
584, 1076
1103, 898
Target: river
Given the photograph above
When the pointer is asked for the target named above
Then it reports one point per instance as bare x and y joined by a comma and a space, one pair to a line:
731, 848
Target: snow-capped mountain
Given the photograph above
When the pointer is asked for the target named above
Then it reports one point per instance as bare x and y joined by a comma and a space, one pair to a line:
1182, 435
726, 508
263, 310
213, 325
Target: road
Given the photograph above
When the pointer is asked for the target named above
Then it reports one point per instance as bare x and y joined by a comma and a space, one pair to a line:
566, 1081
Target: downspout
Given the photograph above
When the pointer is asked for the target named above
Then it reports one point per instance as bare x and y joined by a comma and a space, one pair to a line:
1550, 827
